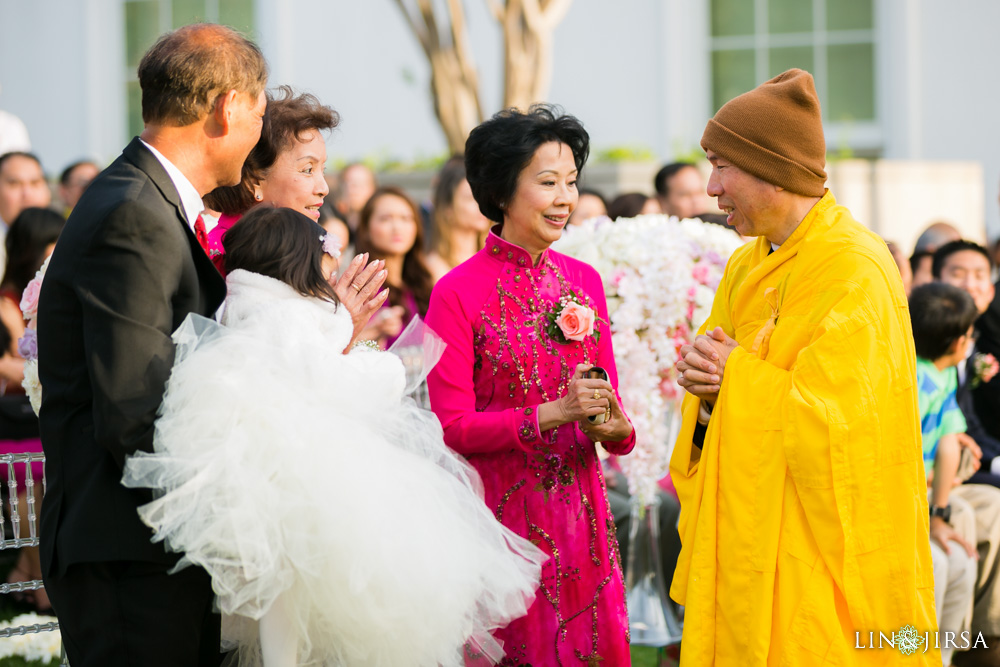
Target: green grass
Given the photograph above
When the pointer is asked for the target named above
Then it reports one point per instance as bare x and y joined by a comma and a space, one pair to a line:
645, 656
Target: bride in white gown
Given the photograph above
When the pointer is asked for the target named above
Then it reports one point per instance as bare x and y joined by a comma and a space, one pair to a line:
335, 523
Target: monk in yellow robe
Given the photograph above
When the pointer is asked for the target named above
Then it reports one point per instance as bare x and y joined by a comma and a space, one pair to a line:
804, 518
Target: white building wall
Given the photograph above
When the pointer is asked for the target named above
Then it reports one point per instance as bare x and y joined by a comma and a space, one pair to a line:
60, 72
941, 101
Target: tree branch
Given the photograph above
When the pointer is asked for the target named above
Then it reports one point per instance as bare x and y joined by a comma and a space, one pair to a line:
496, 9
459, 38
433, 33
414, 27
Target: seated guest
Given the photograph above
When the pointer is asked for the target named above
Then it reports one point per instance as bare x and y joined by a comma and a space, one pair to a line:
631, 204
22, 185
334, 224
73, 181
966, 265
680, 190
29, 242
938, 311
460, 228
932, 238
389, 229
943, 317
591, 205
357, 185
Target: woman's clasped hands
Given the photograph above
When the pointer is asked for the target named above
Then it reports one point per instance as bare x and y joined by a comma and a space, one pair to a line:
586, 397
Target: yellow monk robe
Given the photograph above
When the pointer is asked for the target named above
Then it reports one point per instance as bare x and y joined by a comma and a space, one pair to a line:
804, 517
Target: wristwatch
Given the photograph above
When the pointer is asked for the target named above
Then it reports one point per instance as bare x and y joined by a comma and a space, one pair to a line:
943, 512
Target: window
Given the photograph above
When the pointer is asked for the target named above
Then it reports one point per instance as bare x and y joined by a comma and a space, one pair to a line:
755, 40
145, 20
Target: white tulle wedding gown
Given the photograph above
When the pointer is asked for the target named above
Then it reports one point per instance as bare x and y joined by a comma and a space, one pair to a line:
284, 467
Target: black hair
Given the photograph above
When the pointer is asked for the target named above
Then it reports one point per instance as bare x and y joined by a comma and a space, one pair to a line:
663, 176
32, 231
68, 171
627, 205
593, 193
942, 254
30, 156
498, 150
273, 242
940, 314
917, 257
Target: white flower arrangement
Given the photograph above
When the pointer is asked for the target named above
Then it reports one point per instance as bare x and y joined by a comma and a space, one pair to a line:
660, 275
41, 647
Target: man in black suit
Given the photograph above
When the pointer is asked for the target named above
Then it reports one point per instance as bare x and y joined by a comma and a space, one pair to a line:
967, 265
129, 267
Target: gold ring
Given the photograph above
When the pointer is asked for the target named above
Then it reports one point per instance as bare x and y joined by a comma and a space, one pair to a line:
597, 394
355, 286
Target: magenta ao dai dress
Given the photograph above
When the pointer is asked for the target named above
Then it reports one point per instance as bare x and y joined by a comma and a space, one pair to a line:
499, 366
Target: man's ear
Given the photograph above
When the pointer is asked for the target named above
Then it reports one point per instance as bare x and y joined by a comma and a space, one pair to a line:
222, 114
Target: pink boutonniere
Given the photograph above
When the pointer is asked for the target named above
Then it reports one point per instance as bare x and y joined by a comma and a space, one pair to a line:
985, 367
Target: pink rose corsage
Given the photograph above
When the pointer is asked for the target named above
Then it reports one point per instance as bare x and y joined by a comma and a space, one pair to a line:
569, 320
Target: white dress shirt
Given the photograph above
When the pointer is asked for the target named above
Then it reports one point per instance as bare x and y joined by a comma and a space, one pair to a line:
190, 198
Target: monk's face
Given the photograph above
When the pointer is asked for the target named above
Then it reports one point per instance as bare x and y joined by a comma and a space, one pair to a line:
754, 207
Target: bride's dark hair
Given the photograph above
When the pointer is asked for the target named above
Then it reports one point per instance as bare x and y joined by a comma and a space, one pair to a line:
282, 244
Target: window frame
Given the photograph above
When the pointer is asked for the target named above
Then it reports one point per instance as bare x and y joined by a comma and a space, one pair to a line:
862, 137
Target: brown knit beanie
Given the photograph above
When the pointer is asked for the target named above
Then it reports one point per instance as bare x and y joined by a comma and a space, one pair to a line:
775, 133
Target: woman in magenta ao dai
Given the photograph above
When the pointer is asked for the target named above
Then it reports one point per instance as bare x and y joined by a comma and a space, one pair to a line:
522, 323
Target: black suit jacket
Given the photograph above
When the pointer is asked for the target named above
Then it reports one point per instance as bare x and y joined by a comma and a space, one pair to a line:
986, 396
974, 425
125, 273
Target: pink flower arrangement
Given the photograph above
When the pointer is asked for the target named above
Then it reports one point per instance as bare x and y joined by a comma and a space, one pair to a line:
28, 345
29, 300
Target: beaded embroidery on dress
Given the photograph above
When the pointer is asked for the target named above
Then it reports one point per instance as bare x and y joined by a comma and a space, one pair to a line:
282, 464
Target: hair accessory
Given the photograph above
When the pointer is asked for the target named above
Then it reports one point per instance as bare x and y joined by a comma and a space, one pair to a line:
331, 245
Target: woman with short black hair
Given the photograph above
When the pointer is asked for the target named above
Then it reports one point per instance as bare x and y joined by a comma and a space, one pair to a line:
523, 326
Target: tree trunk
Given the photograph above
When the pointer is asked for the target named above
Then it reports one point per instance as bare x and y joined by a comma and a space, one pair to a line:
528, 27
454, 86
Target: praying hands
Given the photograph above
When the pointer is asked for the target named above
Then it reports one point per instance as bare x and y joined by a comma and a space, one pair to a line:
702, 364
